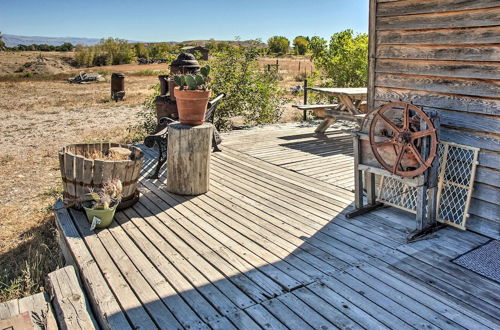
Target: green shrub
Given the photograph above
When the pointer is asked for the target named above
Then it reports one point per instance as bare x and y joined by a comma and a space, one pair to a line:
254, 95
300, 45
107, 52
278, 45
146, 117
344, 61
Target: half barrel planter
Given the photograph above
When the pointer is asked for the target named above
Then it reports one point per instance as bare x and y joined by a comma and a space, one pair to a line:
80, 174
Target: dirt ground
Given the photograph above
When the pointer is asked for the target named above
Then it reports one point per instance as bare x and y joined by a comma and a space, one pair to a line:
38, 116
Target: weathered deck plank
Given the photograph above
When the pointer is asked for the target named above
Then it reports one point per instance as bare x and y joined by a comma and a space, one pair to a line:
269, 246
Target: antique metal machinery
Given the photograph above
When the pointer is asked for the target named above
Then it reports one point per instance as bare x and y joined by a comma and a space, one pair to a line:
400, 146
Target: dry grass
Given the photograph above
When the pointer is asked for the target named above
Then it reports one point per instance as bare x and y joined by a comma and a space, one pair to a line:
39, 115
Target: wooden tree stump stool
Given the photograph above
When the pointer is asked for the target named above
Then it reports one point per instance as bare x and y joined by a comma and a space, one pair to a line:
188, 158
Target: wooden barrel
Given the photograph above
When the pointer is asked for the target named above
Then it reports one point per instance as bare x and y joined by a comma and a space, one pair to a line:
80, 173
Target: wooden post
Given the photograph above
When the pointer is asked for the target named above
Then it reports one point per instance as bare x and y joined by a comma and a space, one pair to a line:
372, 54
433, 175
305, 98
358, 174
188, 158
370, 188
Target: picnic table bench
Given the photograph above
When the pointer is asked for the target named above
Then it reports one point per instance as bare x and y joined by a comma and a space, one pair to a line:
351, 106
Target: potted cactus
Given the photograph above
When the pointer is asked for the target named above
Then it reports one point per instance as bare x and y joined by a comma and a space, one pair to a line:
103, 205
192, 94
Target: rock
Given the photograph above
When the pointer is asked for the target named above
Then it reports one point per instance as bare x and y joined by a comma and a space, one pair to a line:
84, 78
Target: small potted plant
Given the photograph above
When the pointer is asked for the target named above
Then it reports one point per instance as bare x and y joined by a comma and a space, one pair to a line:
103, 204
192, 94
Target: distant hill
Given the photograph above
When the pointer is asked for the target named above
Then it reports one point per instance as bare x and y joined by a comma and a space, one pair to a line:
12, 40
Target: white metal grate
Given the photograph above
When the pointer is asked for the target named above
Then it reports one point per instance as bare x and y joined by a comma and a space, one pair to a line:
457, 167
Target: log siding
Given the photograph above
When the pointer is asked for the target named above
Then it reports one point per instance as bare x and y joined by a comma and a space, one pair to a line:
444, 55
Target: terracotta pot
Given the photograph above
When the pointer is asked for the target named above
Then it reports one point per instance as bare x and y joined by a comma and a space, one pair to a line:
192, 105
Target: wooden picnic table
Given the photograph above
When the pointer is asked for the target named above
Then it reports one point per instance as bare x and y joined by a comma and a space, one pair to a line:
348, 107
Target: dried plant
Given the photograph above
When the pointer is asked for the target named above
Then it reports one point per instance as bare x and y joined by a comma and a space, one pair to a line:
104, 155
108, 196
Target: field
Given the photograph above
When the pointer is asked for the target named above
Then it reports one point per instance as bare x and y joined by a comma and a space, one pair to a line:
40, 112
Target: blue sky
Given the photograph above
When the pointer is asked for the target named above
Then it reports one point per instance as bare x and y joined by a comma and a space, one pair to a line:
181, 20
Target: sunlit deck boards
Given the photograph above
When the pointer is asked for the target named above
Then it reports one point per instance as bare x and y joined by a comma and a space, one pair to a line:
329, 158
271, 248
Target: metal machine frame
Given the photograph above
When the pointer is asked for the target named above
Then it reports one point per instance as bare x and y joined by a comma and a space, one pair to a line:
367, 166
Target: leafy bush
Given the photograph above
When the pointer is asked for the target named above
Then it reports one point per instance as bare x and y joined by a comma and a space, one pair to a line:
2, 43
344, 61
146, 118
107, 52
251, 94
162, 50
117, 51
278, 45
141, 51
65, 47
300, 45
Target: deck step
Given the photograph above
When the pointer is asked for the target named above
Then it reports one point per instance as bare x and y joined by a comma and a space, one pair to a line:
70, 304
34, 309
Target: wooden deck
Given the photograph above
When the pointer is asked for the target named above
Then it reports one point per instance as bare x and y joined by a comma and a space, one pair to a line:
329, 158
269, 247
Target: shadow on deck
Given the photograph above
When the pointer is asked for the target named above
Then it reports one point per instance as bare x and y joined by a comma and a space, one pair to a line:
270, 247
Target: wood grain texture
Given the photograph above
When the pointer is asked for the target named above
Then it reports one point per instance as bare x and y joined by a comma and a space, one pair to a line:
271, 247
456, 19
485, 210
475, 35
70, 304
473, 104
372, 53
104, 303
80, 174
454, 119
476, 87
456, 69
485, 53
188, 158
473, 139
395, 8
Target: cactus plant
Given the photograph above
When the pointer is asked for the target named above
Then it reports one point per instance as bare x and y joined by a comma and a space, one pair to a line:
194, 82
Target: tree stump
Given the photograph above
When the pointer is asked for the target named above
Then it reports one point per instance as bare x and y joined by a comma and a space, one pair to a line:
188, 158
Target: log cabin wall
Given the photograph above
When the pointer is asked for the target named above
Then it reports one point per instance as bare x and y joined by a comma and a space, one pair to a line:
445, 55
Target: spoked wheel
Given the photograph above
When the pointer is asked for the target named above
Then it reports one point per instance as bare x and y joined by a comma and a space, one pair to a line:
397, 131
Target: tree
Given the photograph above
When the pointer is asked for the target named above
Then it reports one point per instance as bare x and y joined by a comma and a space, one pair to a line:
278, 44
344, 61
65, 47
254, 95
141, 51
2, 43
300, 45
107, 52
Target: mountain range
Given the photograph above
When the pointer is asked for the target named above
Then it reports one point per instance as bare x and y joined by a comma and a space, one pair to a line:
12, 40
